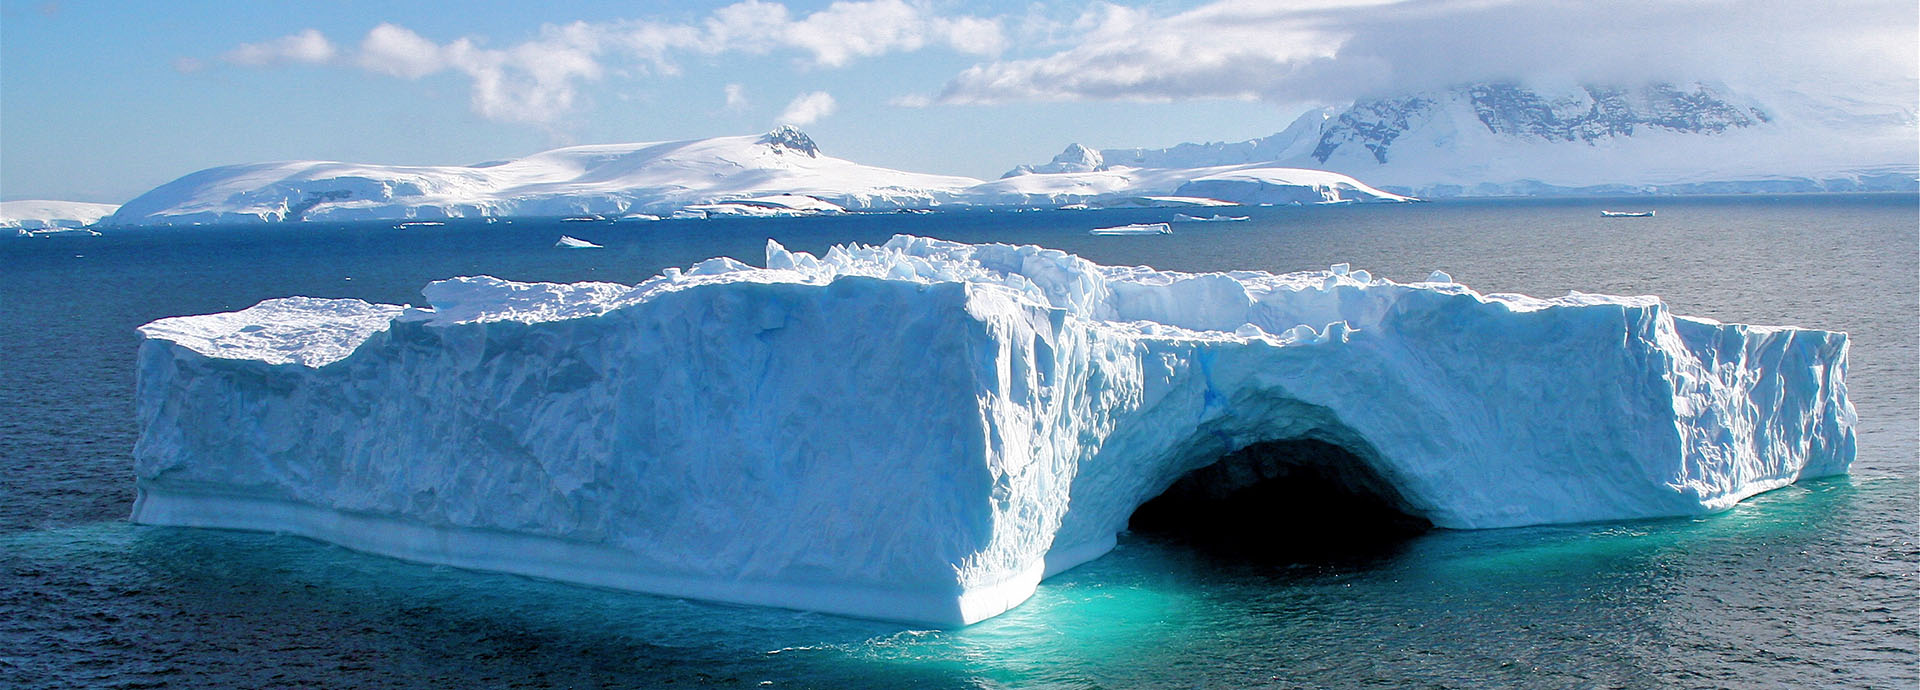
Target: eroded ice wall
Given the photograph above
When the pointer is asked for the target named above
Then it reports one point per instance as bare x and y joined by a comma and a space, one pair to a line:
923, 430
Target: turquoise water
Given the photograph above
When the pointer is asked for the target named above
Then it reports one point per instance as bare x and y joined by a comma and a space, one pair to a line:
1808, 586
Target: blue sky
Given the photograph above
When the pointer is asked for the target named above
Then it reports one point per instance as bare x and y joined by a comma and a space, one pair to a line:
100, 101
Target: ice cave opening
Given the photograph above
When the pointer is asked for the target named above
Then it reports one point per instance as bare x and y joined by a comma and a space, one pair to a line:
1282, 502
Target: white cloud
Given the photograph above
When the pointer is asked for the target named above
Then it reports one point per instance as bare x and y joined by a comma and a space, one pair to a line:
396, 51
532, 82
750, 27
807, 109
736, 97
308, 46
971, 35
537, 81
1337, 50
848, 30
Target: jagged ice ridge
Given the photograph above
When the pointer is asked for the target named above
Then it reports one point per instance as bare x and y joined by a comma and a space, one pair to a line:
923, 430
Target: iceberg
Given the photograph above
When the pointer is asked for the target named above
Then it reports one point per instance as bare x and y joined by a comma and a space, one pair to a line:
571, 242
924, 430
57, 231
1134, 229
1215, 218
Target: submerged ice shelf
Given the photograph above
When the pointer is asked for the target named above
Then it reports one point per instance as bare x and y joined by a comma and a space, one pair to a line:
923, 430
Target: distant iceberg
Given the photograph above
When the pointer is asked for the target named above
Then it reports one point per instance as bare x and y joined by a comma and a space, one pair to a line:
1215, 218
571, 242
923, 430
1134, 229
57, 231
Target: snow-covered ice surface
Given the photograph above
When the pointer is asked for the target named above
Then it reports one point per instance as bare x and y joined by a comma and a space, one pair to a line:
44, 214
923, 430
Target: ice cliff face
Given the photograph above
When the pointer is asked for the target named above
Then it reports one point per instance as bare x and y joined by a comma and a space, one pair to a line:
1504, 138
924, 430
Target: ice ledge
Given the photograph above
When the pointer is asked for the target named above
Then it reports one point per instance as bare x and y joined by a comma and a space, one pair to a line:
307, 331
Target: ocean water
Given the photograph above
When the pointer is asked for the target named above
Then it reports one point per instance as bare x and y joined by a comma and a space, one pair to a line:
1813, 585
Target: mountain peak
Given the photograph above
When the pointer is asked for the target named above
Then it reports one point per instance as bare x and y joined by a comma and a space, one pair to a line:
791, 138
1075, 159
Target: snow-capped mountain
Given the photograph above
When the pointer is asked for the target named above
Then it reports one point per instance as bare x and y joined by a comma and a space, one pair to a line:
1076, 159
782, 172
1504, 138
655, 177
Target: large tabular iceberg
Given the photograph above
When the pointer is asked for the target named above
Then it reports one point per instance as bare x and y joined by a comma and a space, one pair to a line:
924, 430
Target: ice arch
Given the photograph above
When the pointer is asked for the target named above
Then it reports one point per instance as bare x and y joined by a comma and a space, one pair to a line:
924, 430
1300, 500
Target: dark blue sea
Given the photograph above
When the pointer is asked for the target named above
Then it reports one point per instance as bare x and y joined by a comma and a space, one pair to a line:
1810, 586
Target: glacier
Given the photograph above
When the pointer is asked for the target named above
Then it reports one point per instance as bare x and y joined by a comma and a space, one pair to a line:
39, 216
923, 430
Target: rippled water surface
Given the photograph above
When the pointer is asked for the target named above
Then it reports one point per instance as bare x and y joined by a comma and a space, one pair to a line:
1809, 586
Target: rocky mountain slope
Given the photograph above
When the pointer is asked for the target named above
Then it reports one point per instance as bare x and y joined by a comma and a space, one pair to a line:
1505, 138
